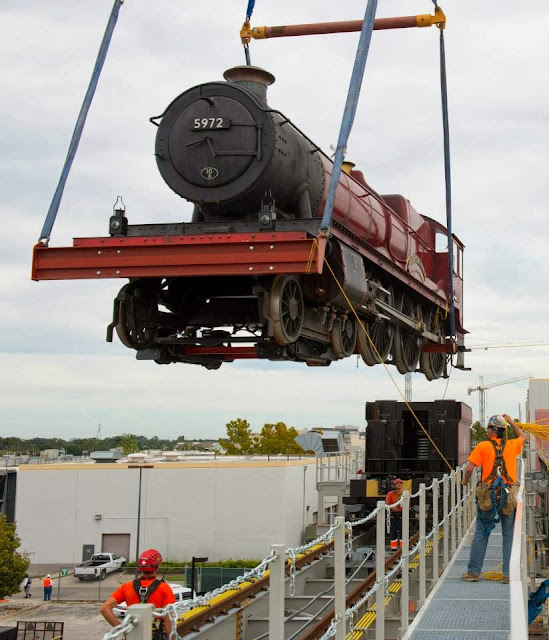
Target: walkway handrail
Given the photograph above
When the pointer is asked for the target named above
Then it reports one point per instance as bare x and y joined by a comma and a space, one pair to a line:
518, 583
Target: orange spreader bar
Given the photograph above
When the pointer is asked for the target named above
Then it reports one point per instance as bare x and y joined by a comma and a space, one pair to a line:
404, 22
233, 254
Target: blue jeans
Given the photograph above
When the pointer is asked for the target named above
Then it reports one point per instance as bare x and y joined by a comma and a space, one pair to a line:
480, 542
47, 593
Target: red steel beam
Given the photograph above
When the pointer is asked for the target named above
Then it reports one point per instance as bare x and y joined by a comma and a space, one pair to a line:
236, 353
165, 256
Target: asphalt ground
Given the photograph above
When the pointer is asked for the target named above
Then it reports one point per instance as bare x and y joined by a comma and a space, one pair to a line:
74, 602
82, 620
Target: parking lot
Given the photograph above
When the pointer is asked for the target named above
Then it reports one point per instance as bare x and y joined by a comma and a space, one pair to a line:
81, 619
73, 602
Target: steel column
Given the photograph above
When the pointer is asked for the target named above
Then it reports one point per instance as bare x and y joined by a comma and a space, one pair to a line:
144, 614
276, 592
339, 577
380, 571
422, 555
435, 532
445, 517
405, 577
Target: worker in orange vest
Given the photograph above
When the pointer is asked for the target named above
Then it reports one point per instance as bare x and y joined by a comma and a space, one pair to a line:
48, 587
396, 513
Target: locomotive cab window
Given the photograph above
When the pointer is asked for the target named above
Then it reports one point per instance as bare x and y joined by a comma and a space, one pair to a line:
441, 242
457, 259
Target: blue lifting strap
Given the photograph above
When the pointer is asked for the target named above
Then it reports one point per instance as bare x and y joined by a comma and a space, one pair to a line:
448, 181
80, 122
350, 109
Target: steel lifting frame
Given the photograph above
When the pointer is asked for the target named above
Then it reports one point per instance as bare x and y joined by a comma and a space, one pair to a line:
226, 254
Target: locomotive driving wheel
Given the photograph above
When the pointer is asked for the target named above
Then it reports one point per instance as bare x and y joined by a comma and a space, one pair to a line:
343, 336
407, 343
135, 313
286, 308
432, 364
381, 332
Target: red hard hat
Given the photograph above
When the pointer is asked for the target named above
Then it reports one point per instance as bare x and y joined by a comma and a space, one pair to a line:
149, 560
397, 480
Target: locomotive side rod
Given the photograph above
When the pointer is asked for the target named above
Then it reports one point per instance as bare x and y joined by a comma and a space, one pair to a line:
348, 26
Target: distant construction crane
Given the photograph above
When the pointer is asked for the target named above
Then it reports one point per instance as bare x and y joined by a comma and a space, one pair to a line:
482, 388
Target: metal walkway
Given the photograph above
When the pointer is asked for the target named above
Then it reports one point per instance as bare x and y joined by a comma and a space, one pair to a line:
457, 610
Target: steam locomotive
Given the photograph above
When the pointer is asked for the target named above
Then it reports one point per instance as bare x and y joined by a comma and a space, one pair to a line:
396, 446
252, 275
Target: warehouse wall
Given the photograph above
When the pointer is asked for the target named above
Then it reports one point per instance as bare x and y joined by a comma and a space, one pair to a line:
214, 509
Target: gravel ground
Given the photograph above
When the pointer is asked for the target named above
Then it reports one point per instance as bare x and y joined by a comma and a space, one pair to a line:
82, 619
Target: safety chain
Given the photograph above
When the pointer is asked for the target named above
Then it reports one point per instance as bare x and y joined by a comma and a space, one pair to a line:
253, 574
352, 611
393, 571
330, 633
323, 539
291, 588
129, 624
370, 516
349, 529
430, 535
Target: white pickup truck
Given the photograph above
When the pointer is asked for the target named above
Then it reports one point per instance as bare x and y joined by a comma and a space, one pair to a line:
97, 567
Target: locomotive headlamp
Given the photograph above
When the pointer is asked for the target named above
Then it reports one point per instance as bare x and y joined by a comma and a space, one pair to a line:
118, 223
267, 213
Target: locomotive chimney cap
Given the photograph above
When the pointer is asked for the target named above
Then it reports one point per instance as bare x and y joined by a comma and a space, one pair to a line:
244, 73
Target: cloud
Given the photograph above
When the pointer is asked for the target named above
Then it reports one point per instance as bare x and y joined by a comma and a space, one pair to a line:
60, 377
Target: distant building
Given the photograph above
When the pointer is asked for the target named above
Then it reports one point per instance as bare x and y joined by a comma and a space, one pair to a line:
229, 507
537, 404
106, 456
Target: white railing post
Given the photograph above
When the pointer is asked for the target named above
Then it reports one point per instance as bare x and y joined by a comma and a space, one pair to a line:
435, 532
422, 567
518, 591
405, 591
445, 517
142, 630
277, 577
339, 576
380, 571
466, 505
459, 516
453, 514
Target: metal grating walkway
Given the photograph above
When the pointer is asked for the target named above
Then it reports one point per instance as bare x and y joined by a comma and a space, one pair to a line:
458, 610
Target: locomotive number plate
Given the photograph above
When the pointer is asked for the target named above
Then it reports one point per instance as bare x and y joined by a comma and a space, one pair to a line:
210, 123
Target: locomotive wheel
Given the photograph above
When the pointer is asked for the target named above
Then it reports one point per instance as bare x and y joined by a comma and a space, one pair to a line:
407, 344
381, 332
135, 329
286, 308
343, 336
432, 364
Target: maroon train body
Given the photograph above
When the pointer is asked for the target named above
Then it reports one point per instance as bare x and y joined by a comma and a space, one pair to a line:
252, 275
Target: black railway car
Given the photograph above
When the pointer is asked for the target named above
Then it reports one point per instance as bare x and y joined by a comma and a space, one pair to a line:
396, 446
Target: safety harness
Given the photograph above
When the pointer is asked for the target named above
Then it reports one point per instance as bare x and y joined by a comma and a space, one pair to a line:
144, 594
498, 488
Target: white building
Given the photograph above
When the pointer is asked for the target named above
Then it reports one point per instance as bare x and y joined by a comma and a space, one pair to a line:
216, 508
537, 405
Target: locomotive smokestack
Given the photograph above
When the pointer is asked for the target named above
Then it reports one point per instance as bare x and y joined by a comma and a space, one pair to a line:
255, 79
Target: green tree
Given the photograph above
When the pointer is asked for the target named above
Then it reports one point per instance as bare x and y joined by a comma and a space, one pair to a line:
239, 440
277, 438
13, 565
478, 432
129, 443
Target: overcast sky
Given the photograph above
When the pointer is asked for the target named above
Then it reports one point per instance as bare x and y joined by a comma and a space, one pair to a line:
58, 376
